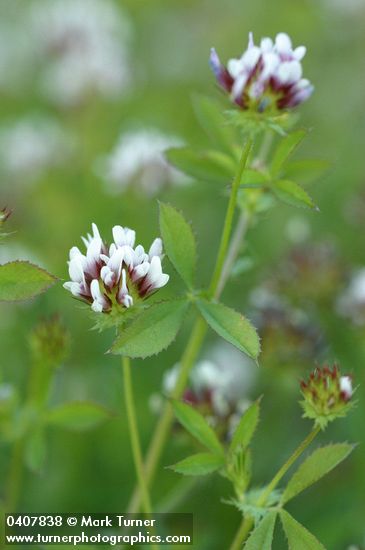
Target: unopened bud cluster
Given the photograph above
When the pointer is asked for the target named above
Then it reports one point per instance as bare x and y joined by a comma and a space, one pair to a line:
327, 395
49, 342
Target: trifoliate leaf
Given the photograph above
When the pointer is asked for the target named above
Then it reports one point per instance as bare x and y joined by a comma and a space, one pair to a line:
261, 537
199, 465
245, 428
21, 280
152, 331
299, 538
197, 426
77, 416
232, 326
318, 464
210, 166
291, 193
286, 148
179, 242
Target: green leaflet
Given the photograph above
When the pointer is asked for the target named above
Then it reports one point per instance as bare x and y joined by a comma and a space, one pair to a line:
210, 118
246, 428
197, 426
261, 537
211, 166
199, 464
299, 538
252, 178
77, 416
318, 464
285, 149
291, 193
306, 170
21, 280
179, 242
35, 450
232, 326
152, 331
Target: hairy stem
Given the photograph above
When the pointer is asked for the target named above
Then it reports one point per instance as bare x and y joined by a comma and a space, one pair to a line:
248, 522
195, 341
233, 251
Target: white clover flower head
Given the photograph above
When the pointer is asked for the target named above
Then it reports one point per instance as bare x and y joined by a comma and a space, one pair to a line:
265, 76
138, 159
30, 145
220, 383
84, 47
116, 276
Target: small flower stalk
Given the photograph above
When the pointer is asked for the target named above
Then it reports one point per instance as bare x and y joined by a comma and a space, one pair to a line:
115, 277
327, 395
265, 77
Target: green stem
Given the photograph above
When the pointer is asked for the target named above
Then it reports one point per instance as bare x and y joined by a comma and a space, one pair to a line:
134, 435
227, 228
248, 522
15, 476
194, 343
234, 248
167, 416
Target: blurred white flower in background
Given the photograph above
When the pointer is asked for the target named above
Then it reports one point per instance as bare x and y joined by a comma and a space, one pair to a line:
85, 45
17, 54
138, 160
30, 145
351, 302
346, 6
298, 229
219, 386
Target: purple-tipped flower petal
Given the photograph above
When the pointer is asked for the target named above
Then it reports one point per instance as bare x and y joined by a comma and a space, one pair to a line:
268, 75
117, 275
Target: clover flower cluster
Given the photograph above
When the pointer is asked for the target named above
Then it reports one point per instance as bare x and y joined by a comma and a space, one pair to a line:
49, 341
326, 394
218, 387
84, 48
269, 75
138, 158
116, 276
31, 145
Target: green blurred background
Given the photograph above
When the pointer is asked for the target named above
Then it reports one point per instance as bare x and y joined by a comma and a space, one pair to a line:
168, 46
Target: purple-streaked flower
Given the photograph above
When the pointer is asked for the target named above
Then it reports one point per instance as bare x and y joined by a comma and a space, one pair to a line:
327, 395
115, 276
265, 76
138, 160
